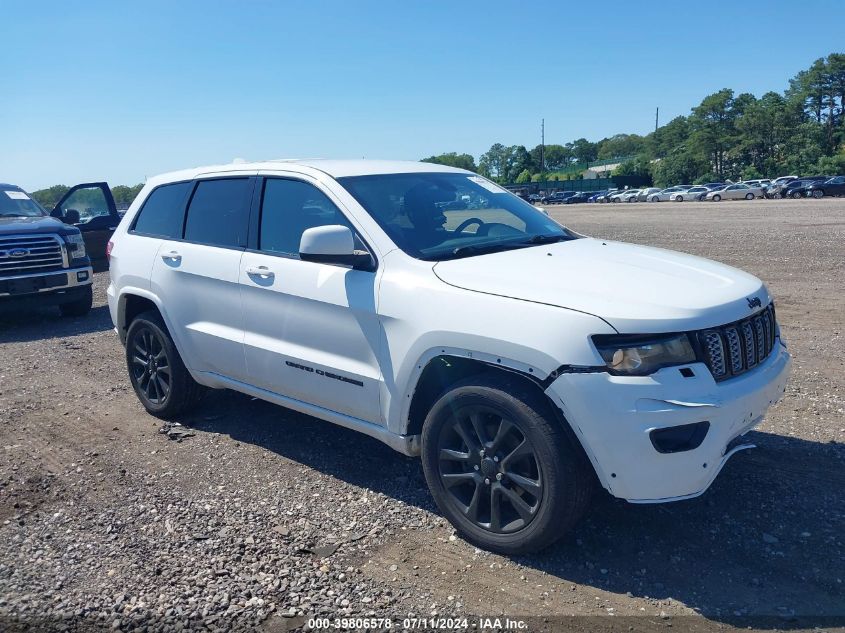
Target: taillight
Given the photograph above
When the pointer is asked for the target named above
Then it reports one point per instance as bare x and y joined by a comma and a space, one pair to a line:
109, 246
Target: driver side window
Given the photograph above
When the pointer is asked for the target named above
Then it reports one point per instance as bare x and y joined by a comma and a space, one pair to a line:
88, 203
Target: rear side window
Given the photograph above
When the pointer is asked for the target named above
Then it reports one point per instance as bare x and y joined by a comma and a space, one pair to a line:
218, 214
164, 211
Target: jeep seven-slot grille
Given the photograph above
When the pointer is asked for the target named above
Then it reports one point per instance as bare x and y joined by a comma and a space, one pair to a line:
733, 349
28, 254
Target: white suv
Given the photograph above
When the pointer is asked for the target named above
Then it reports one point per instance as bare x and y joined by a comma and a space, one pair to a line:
433, 310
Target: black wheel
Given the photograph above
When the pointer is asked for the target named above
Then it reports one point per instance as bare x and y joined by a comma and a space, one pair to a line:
796, 195
158, 375
818, 193
78, 307
679, 199
508, 474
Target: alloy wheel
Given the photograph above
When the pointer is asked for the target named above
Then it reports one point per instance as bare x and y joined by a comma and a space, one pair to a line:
489, 470
150, 366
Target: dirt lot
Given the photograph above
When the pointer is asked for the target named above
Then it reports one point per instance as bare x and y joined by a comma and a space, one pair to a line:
265, 517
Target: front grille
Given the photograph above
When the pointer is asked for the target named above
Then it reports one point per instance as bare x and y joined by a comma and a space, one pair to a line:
733, 349
28, 254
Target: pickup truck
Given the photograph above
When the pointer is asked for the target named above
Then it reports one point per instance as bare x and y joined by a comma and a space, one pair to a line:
48, 259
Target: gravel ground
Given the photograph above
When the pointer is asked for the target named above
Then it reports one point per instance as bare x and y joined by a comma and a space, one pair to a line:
254, 517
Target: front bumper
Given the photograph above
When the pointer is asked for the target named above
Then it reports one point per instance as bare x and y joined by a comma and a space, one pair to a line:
614, 416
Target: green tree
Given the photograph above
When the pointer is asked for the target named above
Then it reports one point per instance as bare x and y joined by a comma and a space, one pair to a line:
50, 196
523, 177
453, 159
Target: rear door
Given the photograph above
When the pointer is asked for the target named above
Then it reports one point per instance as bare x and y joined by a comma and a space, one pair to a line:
312, 332
196, 277
90, 207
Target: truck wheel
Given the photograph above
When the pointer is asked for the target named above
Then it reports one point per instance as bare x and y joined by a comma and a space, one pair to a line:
158, 375
78, 307
502, 468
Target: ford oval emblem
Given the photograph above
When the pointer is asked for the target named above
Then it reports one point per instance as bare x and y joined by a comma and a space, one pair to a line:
18, 252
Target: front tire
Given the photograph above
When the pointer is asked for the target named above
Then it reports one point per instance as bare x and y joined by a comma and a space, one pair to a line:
508, 475
78, 307
796, 195
749, 196
159, 377
818, 193
717, 198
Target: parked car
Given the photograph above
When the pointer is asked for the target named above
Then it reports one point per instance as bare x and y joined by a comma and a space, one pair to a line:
762, 183
832, 187
693, 193
581, 196
535, 198
596, 195
798, 188
737, 191
664, 194
558, 197
645, 193
43, 261
606, 196
775, 189
629, 195
341, 289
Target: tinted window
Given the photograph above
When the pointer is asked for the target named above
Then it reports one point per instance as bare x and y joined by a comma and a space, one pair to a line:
288, 208
219, 212
164, 211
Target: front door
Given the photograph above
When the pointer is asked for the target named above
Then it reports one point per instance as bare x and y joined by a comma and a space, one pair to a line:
196, 277
311, 329
90, 207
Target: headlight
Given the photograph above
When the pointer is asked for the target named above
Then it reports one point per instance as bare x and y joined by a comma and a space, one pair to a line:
76, 245
636, 355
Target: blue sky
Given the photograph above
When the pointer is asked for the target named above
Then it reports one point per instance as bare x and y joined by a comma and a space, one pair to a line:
122, 90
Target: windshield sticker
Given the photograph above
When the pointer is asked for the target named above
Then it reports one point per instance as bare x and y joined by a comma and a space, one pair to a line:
489, 186
17, 195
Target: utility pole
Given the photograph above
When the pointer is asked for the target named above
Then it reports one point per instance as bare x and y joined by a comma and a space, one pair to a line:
542, 146
656, 115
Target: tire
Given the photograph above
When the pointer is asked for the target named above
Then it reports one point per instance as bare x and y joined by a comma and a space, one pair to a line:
796, 195
749, 196
169, 390
818, 193
655, 199
717, 198
78, 307
679, 199
540, 493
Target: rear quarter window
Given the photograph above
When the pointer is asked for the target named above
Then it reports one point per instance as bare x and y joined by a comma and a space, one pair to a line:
163, 212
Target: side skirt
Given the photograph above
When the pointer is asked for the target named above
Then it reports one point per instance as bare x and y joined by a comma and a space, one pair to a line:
406, 444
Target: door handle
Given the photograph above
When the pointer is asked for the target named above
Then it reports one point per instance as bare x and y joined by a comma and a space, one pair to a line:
174, 255
260, 271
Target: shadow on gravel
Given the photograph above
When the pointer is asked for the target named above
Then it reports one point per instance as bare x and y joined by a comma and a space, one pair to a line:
20, 327
765, 540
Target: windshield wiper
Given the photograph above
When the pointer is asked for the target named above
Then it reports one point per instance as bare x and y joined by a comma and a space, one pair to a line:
546, 239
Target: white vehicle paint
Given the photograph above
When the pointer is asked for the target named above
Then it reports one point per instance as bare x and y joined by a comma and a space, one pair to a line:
367, 334
629, 195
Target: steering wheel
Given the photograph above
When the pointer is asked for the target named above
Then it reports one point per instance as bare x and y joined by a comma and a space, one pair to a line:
469, 221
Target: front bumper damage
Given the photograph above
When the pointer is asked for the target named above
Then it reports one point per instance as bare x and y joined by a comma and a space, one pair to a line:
615, 417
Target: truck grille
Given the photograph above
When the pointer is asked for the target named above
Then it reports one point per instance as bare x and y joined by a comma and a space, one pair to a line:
733, 349
27, 254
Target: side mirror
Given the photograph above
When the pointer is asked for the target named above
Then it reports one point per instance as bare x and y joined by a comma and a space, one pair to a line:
333, 244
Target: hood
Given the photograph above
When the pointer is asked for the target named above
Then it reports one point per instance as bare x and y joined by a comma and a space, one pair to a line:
41, 224
636, 289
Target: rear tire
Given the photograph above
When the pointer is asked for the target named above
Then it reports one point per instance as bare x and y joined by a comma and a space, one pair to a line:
796, 195
508, 475
159, 377
717, 198
679, 199
818, 193
749, 196
78, 307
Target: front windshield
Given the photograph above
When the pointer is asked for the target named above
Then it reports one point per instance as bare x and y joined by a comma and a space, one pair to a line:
437, 216
14, 203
